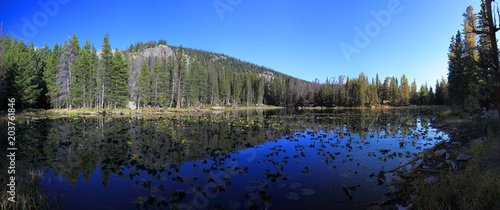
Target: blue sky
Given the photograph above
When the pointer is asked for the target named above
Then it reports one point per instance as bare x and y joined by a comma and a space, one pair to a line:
299, 38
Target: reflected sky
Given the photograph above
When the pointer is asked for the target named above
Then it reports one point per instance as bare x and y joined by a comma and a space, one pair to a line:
281, 159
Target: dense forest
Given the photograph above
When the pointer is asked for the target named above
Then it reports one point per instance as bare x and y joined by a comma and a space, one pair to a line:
156, 75
471, 63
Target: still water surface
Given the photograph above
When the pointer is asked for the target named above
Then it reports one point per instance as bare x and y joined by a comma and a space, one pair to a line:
275, 159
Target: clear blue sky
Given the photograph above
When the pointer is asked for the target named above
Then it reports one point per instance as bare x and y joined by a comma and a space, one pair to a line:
299, 38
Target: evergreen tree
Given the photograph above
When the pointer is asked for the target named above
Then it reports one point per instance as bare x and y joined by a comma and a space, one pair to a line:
27, 77
224, 88
201, 81
393, 92
144, 84
119, 77
486, 74
456, 70
424, 98
104, 80
249, 90
156, 82
79, 82
192, 89
404, 97
181, 78
413, 93
164, 83
237, 89
75, 43
471, 71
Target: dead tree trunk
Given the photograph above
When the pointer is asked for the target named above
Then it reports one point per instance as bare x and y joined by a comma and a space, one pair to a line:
492, 30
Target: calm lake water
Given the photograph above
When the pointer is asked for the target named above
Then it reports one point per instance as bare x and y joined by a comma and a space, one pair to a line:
275, 159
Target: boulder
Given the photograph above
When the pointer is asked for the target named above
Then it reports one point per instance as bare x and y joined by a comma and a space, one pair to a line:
464, 157
440, 166
430, 179
451, 163
131, 105
440, 152
217, 108
400, 207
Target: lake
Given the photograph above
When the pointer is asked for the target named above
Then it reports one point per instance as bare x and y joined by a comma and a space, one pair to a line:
275, 159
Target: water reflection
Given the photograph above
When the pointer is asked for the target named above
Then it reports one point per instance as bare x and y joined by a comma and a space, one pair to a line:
245, 159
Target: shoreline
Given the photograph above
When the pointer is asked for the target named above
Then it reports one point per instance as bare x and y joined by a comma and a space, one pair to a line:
41, 113
453, 169
37, 113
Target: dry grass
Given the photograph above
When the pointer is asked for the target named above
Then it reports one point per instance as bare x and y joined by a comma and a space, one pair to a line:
475, 187
29, 193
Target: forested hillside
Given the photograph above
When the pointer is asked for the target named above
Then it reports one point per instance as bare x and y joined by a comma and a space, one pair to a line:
156, 75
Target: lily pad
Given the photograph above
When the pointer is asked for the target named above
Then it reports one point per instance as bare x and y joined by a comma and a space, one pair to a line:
294, 185
307, 191
331, 167
345, 175
292, 196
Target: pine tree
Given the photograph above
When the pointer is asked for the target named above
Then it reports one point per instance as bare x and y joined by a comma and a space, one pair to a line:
89, 76
224, 88
260, 90
456, 68
164, 83
201, 81
119, 77
432, 98
213, 82
237, 89
393, 92
156, 82
75, 43
144, 84
10, 66
424, 98
78, 90
405, 92
249, 90
181, 78
413, 93
193, 88
26, 80
104, 80
471, 71
39, 60
486, 75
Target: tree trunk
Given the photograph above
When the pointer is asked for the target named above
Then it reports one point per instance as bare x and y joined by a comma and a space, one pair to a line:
494, 51
178, 105
172, 96
102, 97
139, 102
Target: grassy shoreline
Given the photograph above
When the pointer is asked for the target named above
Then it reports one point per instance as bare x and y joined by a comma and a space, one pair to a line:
472, 184
42, 113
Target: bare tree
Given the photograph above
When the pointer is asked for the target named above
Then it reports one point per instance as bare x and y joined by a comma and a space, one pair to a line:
63, 77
